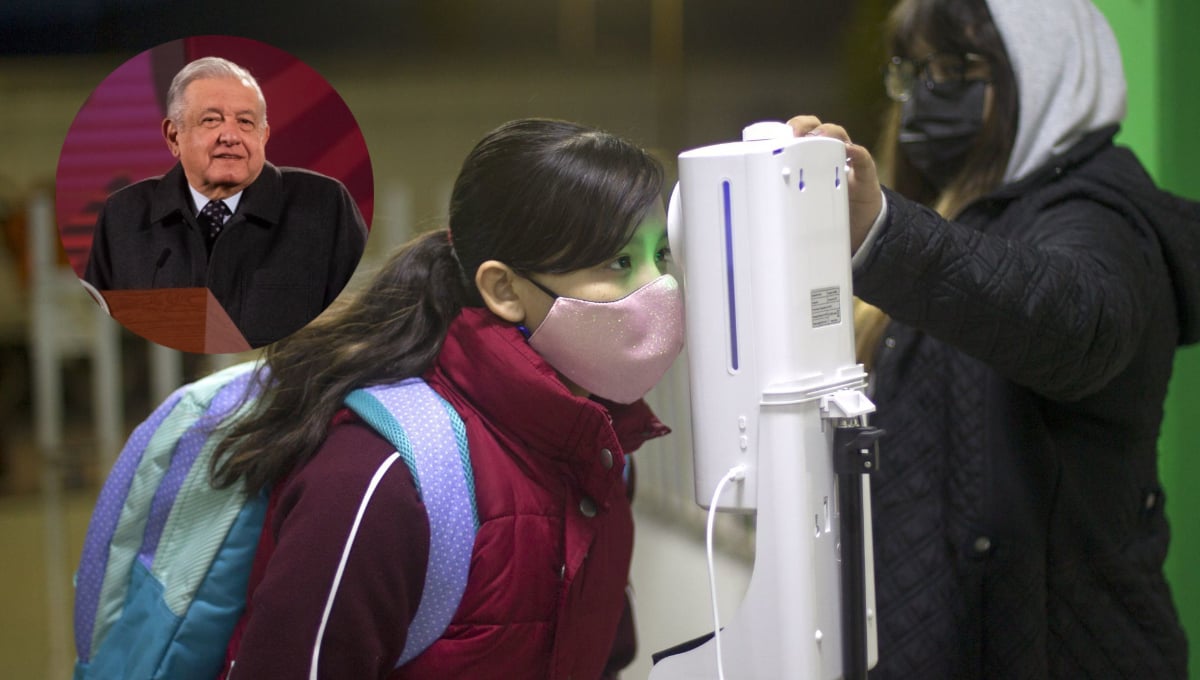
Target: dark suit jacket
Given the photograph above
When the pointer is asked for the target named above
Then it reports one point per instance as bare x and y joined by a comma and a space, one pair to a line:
280, 260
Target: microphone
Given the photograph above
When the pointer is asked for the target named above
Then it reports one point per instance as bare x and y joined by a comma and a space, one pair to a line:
162, 259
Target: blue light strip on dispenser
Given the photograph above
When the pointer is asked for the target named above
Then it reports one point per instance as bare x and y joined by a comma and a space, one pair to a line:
733, 344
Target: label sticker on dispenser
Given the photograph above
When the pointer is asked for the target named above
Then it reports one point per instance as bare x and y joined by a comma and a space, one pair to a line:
826, 306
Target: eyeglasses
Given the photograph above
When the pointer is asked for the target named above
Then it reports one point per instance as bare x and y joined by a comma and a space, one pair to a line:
900, 75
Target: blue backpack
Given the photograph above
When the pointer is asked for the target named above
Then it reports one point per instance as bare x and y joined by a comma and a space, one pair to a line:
166, 560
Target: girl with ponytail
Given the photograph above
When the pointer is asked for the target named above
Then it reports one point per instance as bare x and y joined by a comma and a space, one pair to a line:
542, 315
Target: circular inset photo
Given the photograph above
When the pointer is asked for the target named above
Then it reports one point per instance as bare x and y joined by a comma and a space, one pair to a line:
214, 194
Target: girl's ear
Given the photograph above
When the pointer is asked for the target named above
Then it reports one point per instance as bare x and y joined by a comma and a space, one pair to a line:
495, 280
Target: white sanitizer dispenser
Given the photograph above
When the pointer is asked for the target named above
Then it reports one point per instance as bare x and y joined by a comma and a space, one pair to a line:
760, 231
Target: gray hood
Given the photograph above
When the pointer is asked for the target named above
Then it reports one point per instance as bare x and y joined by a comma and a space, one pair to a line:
1069, 76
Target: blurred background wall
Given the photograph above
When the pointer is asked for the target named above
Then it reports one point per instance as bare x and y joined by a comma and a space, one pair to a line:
425, 79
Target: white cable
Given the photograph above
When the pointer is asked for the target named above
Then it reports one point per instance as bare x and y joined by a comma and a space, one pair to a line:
736, 473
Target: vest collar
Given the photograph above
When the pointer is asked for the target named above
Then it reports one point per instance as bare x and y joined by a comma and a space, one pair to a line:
489, 363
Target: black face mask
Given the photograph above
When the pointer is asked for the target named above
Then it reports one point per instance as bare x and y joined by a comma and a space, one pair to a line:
938, 127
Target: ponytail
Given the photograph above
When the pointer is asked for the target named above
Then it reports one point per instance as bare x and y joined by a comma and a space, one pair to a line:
391, 330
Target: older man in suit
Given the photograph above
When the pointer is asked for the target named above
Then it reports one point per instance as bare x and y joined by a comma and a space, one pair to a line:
275, 245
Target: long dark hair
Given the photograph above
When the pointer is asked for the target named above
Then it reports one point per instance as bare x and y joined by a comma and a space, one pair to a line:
539, 195
954, 27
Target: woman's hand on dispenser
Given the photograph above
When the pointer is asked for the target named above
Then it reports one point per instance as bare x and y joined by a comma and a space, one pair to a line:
866, 198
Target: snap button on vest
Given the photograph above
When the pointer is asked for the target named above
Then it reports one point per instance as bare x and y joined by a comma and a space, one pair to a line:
587, 507
606, 459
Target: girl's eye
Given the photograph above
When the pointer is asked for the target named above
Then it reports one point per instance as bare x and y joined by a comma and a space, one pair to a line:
621, 263
663, 255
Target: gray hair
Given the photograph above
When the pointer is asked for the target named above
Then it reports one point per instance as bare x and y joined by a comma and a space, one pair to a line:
208, 67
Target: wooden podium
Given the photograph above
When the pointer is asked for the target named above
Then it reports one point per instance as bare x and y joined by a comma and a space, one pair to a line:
187, 319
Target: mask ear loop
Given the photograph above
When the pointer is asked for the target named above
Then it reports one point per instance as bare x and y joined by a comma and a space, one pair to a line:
547, 291
553, 296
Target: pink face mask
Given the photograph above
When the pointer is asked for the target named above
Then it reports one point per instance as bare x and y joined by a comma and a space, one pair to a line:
616, 350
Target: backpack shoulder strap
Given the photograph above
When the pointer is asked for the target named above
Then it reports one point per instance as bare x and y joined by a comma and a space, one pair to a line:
431, 440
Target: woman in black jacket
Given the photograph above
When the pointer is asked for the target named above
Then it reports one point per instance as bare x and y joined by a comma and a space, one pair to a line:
1034, 284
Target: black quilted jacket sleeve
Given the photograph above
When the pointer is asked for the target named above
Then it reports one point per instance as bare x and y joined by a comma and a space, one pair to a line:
1052, 295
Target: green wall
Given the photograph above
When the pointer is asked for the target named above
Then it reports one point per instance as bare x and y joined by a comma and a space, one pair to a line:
1161, 59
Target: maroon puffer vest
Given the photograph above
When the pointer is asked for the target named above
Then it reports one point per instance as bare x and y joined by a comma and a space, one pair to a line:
551, 559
